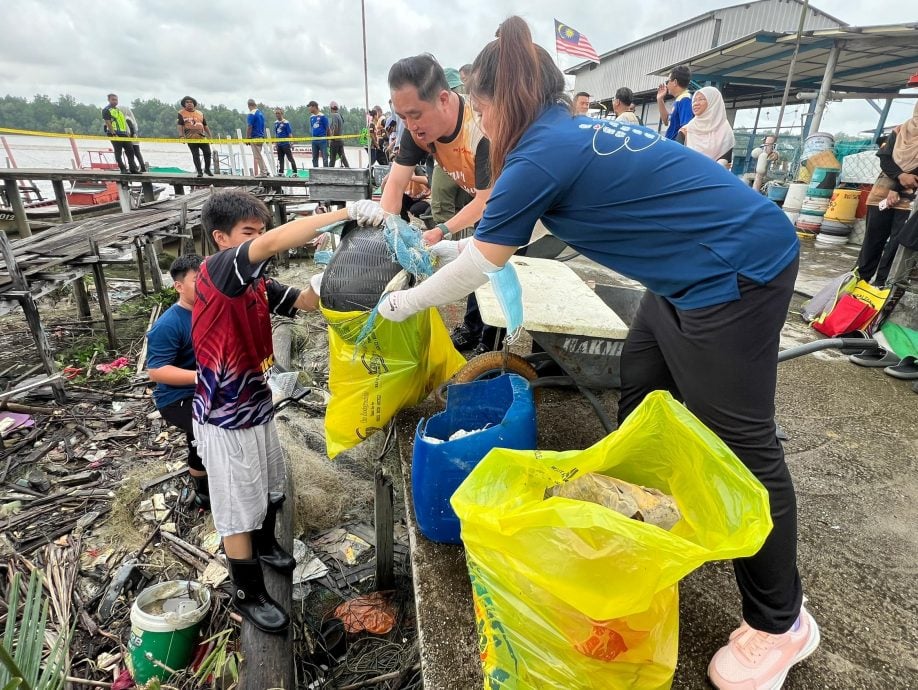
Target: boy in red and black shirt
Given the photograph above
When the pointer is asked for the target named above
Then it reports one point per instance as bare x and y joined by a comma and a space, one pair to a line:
233, 412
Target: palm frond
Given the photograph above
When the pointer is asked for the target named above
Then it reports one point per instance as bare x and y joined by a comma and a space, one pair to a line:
23, 662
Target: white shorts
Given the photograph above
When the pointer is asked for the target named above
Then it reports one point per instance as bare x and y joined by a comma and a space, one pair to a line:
243, 465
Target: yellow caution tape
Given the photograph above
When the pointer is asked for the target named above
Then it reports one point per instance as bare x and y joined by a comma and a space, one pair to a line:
158, 140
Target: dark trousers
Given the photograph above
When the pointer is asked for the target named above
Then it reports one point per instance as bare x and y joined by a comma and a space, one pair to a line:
284, 152
721, 361
139, 157
417, 207
881, 240
335, 149
179, 414
319, 148
123, 148
492, 336
196, 151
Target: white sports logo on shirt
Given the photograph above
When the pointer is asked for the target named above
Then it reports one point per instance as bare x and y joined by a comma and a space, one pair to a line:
620, 136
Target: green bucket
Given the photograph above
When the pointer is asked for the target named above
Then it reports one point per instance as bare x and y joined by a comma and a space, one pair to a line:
164, 628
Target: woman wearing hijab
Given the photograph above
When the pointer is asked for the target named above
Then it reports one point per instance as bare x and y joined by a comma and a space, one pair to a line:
708, 132
719, 262
890, 200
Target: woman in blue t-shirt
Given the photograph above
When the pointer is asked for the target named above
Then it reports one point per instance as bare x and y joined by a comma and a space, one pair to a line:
718, 261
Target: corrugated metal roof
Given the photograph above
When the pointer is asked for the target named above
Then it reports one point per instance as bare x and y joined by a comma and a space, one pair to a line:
872, 59
630, 64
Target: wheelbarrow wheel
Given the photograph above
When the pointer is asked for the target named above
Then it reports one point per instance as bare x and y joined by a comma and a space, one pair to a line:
489, 366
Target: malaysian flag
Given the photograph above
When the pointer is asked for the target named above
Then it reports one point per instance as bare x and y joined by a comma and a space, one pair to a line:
573, 42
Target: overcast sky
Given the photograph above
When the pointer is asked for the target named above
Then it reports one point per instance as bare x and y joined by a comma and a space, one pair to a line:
288, 52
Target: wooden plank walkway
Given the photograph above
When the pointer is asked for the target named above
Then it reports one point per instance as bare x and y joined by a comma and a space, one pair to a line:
69, 243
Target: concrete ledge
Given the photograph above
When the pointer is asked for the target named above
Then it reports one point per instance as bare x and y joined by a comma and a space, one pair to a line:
443, 595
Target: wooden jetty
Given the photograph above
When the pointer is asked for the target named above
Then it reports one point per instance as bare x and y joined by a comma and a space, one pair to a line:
323, 184
33, 266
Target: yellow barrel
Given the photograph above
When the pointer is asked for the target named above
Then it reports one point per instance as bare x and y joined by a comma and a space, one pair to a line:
843, 205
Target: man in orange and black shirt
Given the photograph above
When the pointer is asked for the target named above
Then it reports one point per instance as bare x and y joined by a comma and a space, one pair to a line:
439, 122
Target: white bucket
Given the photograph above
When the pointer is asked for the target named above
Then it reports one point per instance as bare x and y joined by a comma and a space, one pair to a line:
816, 142
791, 215
795, 194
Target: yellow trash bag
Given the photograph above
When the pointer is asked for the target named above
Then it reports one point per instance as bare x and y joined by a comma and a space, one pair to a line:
569, 594
397, 366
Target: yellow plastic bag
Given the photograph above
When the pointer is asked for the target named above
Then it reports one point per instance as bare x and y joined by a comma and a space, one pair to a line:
572, 595
869, 294
397, 366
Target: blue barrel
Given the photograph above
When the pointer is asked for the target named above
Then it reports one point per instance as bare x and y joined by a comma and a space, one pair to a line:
438, 466
777, 193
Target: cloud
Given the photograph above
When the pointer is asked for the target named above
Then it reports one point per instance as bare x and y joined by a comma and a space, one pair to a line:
282, 52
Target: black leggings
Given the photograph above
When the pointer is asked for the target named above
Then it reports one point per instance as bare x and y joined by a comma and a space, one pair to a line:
722, 362
881, 241
179, 414
196, 151
282, 153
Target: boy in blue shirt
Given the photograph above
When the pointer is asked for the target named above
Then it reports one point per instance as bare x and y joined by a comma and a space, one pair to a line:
171, 365
677, 87
318, 125
282, 130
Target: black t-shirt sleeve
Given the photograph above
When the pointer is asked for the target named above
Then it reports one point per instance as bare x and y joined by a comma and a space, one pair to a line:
409, 153
107, 113
281, 298
230, 270
483, 165
889, 166
181, 120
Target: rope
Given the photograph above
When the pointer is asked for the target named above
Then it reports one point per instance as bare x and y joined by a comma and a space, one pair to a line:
164, 140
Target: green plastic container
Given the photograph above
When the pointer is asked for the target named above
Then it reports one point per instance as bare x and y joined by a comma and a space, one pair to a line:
165, 619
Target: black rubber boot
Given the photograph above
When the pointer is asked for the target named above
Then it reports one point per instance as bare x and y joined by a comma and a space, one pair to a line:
201, 492
264, 543
252, 600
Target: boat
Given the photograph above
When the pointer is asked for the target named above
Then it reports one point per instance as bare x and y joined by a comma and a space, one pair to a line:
299, 150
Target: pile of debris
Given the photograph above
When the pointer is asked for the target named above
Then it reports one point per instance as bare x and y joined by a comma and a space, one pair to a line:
95, 497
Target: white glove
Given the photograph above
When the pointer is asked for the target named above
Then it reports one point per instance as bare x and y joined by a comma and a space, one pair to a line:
366, 212
451, 282
449, 250
445, 251
394, 307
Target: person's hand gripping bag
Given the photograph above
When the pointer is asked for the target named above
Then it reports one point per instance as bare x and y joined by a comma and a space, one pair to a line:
396, 365
569, 594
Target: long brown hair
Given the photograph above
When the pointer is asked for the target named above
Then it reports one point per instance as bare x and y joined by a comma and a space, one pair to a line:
519, 79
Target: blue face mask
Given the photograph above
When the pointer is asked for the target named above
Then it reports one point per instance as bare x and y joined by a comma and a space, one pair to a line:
509, 292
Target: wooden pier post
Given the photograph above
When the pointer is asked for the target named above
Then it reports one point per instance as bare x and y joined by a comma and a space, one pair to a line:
385, 532
141, 271
179, 189
186, 241
15, 200
81, 297
25, 299
147, 193
269, 658
156, 275
63, 206
124, 197
105, 305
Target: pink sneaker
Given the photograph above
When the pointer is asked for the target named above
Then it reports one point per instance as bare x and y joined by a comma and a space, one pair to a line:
755, 660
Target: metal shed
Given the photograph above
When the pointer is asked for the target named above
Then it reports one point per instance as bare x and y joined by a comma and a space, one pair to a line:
634, 65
